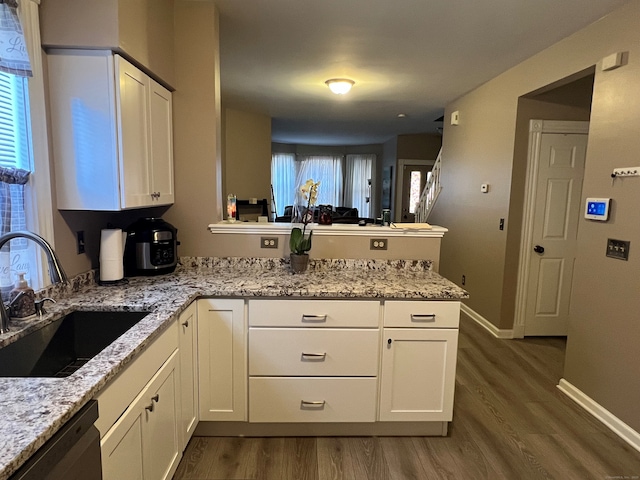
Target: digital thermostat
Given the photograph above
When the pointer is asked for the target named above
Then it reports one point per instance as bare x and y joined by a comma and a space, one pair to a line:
597, 209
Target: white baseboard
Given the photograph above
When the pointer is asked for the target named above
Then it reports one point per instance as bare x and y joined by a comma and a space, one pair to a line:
617, 426
490, 327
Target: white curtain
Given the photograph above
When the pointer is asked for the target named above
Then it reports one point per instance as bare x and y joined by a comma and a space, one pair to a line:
283, 180
327, 170
357, 190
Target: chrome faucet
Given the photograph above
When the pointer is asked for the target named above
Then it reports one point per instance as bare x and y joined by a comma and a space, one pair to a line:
56, 273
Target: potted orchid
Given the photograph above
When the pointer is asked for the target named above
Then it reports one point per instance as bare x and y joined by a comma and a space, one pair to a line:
299, 241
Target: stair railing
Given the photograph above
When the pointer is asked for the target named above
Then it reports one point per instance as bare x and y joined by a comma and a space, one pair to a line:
430, 193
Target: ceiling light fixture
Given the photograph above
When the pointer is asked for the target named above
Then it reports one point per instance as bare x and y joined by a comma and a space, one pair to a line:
340, 86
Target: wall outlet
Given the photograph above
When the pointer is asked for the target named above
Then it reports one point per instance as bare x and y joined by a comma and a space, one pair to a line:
618, 249
464, 280
80, 241
268, 242
378, 244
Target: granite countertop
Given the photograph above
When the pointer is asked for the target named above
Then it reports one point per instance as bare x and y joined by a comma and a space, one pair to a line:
33, 409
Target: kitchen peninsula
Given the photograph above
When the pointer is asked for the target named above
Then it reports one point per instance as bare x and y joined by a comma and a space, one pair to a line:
34, 408
401, 240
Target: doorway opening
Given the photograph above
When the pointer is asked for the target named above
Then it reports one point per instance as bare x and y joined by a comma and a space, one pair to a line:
411, 180
548, 168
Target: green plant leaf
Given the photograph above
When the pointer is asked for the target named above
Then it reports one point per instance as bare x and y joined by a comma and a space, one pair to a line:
294, 240
298, 243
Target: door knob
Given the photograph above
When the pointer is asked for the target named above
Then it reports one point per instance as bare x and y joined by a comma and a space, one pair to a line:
538, 249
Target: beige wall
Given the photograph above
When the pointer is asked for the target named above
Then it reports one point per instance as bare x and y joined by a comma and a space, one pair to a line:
141, 29
419, 146
197, 131
247, 155
602, 350
146, 34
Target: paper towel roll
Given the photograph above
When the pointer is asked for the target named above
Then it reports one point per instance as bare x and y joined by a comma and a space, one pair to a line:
111, 253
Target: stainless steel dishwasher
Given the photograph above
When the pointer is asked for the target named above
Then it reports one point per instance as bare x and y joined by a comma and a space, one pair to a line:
73, 453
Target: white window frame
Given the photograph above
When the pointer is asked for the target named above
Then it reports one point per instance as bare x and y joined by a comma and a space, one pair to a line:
38, 203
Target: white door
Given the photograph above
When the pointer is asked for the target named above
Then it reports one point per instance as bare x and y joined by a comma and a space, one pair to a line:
554, 229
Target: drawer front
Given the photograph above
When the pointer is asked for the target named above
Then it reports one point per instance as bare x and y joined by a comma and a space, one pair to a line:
303, 399
422, 314
313, 351
314, 313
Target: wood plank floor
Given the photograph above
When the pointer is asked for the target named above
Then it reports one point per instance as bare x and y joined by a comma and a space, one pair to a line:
510, 422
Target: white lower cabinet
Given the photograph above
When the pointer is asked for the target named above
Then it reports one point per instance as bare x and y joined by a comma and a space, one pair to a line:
418, 361
187, 325
143, 443
322, 367
222, 360
379, 366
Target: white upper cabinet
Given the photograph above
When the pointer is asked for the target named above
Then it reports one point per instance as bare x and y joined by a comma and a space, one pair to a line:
112, 133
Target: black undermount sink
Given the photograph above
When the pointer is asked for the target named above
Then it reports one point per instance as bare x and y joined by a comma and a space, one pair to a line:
60, 348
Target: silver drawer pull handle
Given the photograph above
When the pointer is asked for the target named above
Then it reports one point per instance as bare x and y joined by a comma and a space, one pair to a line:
304, 403
314, 356
314, 318
426, 317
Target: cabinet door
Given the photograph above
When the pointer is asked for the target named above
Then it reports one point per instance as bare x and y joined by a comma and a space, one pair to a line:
418, 374
121, 447
143, 443
161, 453
161, 132
84, 136
222, 360
132, 101
188, 374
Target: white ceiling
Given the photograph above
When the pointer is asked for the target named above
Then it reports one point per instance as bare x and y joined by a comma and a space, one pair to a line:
406, 56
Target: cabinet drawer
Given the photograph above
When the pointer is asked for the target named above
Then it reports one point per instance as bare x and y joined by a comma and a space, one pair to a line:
302, 399
422, 314
313, 351
314, 313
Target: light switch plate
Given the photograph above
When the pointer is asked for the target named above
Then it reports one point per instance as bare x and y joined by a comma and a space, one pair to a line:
618, 249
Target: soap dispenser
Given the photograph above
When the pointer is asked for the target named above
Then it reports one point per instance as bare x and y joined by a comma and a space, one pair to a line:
22, 299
